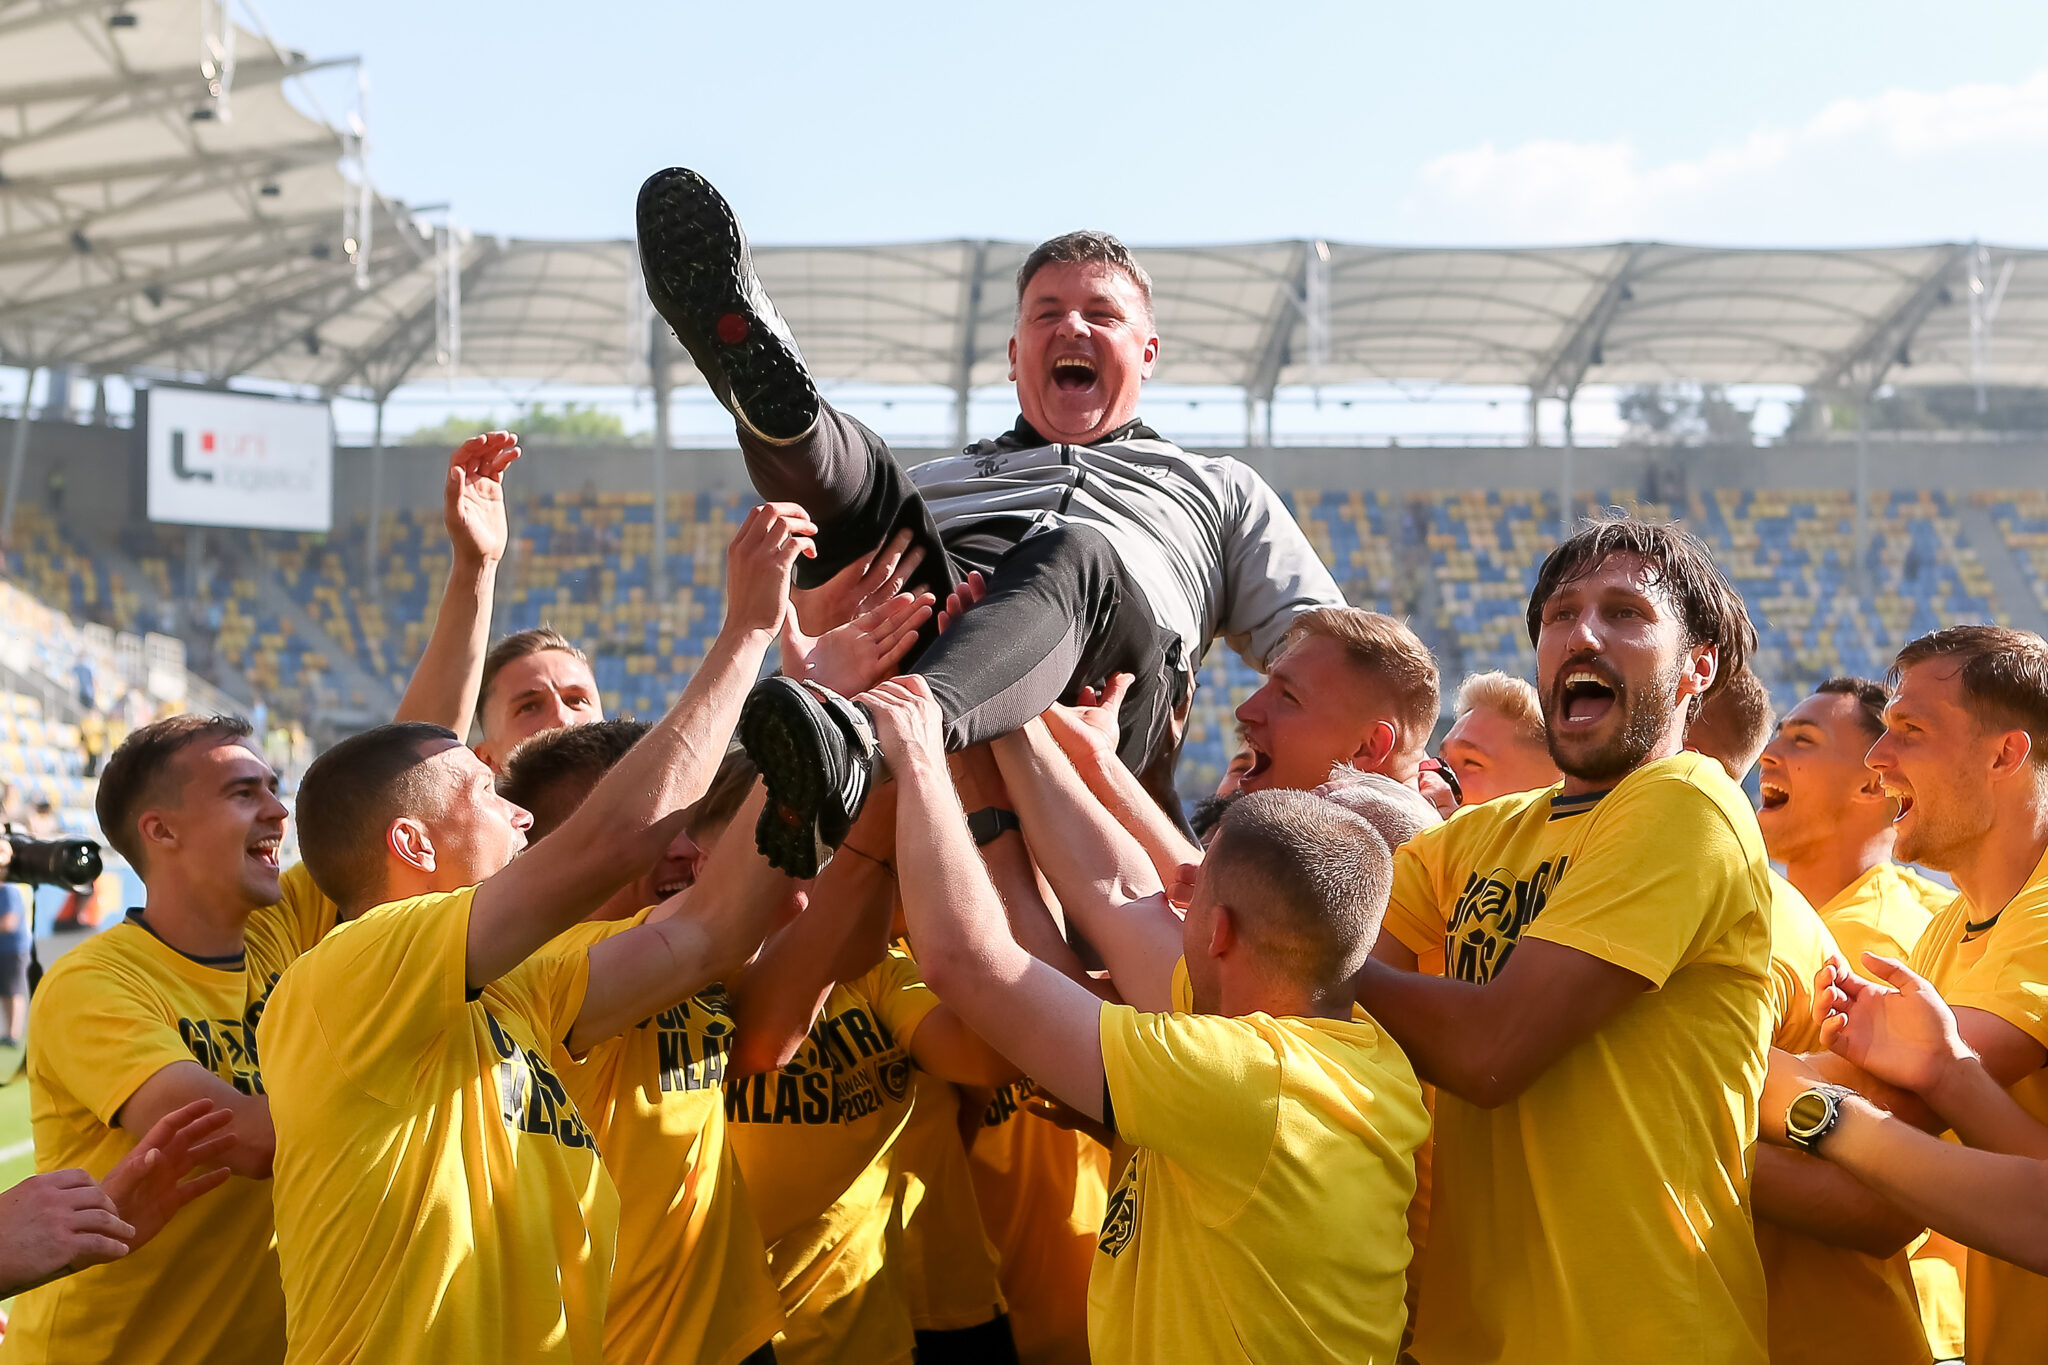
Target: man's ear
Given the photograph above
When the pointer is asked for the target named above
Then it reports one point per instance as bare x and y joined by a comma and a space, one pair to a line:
1222, 931
407, 841
482, 750
1377, 746
1151, 359
1702, 666
156, 832
1872, 788
1013, 358
2015, 754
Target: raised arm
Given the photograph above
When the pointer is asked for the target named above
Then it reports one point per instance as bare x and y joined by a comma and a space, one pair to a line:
776, 997
1087, 734
1101, 875
1024, 893
690, 940
1046, 1024
444, 686
636, 808
1487, 1044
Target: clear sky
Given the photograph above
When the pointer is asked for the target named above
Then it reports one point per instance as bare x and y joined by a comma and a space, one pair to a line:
1796, 122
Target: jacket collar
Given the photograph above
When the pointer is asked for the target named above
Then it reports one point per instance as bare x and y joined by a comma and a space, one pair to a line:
1024, 436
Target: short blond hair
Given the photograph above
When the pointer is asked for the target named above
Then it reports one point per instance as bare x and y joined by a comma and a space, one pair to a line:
1384, 647
1507, 696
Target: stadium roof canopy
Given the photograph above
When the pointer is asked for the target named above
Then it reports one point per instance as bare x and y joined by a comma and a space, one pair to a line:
164, 207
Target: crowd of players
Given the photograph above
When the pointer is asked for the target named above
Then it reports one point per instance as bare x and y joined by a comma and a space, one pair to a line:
1517, 1052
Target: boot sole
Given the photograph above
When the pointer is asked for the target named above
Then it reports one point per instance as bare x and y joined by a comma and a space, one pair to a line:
694, 258
781, 734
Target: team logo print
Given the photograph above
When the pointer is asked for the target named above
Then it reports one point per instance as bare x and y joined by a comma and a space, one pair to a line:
1492, 911
988, 466
894, 1074
1120, 1218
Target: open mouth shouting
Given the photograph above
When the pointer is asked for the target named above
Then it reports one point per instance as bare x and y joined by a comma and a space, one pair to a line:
1773, 795
1262, 763
1903, 798
1585, 697
266, 851
1074, 374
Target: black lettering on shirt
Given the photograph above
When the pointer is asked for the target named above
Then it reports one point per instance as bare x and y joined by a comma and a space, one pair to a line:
1491, 913
227, 1047
677, 1068
847, 1069
531, 1098
1004, 1104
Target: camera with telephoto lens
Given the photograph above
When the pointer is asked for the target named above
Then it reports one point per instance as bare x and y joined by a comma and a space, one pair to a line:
73, 863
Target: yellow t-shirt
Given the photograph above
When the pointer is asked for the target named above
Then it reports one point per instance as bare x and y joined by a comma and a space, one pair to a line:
1998, 962
813, 1142
439, 1198
1041, 1189
690, 1282
1872, 1312
1264, 1215
1885, 911
1603, 1214
948, 1266
110, 1014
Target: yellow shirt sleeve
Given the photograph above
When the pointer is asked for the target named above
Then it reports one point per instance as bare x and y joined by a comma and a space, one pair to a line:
1414, 909
2010, 979
1199, 1089
899, 996
115, 1033
1653, 884
391, 984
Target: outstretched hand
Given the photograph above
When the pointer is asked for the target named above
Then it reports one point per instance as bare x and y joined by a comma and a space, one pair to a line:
860, 587
1090, 725
851, 658
757, 565
1903, 1032
473, 498
148, 1186
906, 722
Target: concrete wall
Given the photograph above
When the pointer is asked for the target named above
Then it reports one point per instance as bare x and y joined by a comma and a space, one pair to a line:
102, 469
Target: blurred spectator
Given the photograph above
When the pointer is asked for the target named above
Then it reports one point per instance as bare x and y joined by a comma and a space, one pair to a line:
17, 911
92, 738
87, 683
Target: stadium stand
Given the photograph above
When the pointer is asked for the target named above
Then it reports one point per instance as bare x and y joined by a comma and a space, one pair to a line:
284, 615
2022, 520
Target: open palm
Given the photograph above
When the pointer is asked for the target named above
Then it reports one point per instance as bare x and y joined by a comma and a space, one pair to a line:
473, 501
1902, 1032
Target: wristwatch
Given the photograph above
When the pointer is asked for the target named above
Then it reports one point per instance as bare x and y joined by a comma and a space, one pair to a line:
1812, 1115
989, 824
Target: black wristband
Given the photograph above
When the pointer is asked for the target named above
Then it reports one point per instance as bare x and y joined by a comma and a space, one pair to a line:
989, 824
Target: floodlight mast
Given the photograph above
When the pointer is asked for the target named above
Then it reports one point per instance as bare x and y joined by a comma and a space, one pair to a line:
1983, 312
